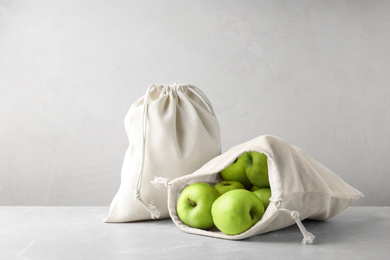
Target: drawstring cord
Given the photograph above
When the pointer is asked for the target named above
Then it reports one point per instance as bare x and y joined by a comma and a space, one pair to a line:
307, 236
154, 212
203, 96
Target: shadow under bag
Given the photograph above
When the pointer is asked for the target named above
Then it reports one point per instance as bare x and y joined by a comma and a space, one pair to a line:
172, 132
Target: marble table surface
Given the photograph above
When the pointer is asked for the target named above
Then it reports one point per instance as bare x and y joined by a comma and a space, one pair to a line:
79, 233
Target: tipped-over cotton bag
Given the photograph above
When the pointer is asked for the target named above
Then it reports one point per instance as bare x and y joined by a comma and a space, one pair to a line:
172, 131
300, 188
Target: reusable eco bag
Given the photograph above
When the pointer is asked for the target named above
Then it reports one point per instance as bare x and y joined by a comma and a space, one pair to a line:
300, 188
172, 131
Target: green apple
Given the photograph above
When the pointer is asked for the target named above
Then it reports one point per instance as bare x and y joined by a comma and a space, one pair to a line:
225, 186
194, 205
236, 172
257, 169
264, 194
236, 211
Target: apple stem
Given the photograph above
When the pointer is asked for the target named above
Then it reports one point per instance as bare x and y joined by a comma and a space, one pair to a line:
191, 202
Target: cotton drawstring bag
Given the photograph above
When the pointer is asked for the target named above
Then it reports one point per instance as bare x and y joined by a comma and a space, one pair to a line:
301, 188
172, 131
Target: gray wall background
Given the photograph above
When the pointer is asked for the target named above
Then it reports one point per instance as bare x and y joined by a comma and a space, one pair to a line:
315, 73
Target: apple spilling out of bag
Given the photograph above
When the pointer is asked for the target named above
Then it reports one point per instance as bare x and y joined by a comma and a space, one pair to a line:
232, 205
259, 186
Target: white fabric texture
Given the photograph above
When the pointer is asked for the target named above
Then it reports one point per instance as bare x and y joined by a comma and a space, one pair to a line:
301, 188
172, 131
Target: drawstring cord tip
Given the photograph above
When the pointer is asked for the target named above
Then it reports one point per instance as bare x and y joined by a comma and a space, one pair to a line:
151, 207
159, 181
154, 212
308, 237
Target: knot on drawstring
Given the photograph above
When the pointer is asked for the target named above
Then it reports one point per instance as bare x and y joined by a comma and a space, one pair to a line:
295, 215
308, 238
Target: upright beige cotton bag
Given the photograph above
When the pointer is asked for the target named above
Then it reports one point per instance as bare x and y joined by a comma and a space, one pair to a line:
301, 188
172, 131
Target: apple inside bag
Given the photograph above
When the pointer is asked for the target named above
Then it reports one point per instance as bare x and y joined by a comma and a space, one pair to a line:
294, 187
